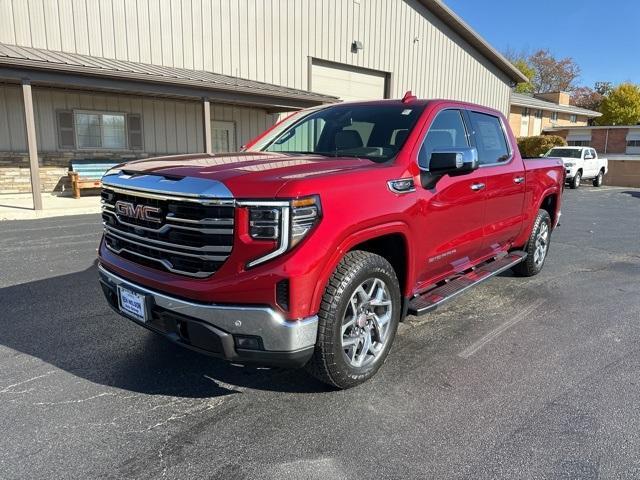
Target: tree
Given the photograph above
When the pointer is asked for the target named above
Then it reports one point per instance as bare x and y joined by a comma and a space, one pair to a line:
621, 106
535, 146
545, 72
522, 65
586, 97
551, 74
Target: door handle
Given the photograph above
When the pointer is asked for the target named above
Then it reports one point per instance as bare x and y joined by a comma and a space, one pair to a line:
477, 186
518, 179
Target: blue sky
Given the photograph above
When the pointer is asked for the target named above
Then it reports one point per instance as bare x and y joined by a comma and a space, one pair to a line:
602, 36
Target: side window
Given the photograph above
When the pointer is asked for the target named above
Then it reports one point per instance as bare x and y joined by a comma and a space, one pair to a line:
446, 131
490, 140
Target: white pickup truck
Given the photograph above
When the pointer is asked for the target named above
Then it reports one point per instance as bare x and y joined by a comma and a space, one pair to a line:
580, 163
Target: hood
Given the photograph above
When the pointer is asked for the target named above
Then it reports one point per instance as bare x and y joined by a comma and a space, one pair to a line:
249, 174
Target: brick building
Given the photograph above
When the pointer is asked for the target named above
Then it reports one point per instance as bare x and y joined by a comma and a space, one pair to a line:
620, 144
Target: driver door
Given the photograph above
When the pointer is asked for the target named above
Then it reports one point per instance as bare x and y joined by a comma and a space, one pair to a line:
452, 213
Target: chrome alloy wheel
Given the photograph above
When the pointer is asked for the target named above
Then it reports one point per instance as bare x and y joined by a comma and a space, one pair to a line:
365, 325
542, 244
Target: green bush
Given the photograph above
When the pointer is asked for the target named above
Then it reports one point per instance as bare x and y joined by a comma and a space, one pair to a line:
536, 146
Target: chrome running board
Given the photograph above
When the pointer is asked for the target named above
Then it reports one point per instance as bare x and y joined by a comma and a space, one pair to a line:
449, 289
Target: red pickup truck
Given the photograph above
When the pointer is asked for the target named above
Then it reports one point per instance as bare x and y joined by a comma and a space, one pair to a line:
308, 248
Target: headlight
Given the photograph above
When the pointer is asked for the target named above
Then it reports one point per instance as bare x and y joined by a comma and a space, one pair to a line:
569, 164
287, 222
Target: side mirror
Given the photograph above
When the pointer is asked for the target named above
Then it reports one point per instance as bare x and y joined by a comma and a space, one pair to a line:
449, 161
541, 155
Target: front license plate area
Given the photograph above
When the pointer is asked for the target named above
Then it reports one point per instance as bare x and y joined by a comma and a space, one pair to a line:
132, 304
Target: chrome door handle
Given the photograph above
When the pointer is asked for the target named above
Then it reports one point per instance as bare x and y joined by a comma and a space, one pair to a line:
477, 186
518, 179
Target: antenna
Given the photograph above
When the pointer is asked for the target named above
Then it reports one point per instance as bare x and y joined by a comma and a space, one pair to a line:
409, 97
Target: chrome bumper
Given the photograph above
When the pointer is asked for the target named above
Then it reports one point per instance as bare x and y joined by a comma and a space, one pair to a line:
277, 334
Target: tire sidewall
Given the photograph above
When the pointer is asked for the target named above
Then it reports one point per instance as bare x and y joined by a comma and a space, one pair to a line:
369, 270
575, 183
543, 217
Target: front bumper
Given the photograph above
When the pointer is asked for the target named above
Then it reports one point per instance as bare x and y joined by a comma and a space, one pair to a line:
215, 329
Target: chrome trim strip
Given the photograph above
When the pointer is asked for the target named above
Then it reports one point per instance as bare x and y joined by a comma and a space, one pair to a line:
160, 196
277, 333
167, 226
215, 258
190, 187
284, 239
205, 221
215, 248
165, 263
258, 203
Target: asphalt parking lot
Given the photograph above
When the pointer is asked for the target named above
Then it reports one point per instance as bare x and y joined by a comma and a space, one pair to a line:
519, 378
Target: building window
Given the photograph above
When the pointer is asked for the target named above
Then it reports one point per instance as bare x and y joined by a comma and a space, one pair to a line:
579, 143
573, 118
538, 113
100, 130
554, 116
633, 143
525, 112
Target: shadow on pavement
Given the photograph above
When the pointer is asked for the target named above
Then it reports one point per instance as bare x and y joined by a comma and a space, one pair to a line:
66, 322
633, 193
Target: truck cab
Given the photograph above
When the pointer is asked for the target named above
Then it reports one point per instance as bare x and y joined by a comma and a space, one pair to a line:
581, 163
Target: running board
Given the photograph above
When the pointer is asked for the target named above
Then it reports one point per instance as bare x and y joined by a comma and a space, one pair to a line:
431, 299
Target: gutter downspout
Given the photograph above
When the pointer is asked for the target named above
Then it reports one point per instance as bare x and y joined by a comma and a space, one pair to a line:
606, 141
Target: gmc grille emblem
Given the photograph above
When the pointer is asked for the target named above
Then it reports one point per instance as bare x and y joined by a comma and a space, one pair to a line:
140, 212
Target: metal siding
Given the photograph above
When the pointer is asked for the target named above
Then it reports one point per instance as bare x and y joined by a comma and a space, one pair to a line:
266, 40
15, 119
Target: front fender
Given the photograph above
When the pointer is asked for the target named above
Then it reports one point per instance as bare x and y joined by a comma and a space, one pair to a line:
348, 244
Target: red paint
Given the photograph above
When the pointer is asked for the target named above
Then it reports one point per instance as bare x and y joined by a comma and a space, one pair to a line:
444, 229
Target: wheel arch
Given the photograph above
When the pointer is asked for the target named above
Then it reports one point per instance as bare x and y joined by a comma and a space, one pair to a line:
390, 241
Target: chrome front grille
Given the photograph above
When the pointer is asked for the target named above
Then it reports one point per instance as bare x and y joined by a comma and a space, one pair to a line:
186, 236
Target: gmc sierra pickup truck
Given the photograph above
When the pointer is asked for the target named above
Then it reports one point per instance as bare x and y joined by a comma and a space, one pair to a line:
307, 248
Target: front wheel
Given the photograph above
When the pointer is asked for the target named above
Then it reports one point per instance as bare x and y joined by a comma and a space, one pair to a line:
575, 182
537, 247
358, 320
597, 182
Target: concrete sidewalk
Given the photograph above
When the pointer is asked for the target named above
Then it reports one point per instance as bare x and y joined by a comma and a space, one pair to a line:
20, 206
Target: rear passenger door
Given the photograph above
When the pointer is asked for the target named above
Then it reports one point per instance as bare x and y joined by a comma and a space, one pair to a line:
504, 179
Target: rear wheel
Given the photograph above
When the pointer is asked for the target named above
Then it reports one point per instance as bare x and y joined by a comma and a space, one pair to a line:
537, 247
597, 182
358, 320
575, 182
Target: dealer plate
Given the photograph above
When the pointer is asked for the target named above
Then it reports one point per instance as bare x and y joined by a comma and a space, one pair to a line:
132, 304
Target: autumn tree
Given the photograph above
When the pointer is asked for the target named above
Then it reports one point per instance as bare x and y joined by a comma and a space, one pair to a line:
545, 72
621, 106
552, 74
591, 98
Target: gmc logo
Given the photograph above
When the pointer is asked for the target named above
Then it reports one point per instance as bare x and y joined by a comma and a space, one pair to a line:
141, 212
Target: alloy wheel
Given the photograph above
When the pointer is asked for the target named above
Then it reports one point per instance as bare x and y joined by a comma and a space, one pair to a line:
365, 326
542, 244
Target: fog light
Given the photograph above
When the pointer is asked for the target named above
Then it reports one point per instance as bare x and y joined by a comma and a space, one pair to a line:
247, 342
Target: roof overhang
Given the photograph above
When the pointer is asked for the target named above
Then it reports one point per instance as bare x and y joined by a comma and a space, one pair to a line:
536, 103
450, 18
65, 70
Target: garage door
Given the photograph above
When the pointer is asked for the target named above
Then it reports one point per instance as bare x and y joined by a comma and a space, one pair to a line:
347, 83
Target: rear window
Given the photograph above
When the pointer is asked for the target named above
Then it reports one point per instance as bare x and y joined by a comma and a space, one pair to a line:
490, 140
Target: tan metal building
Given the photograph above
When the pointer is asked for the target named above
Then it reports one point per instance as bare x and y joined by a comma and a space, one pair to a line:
124, 79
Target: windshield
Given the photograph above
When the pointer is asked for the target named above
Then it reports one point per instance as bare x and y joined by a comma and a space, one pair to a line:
376, 132
564, 152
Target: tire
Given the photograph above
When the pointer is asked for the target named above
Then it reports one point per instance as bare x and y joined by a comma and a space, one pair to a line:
533, 264
342, 331
597, 182
575, 182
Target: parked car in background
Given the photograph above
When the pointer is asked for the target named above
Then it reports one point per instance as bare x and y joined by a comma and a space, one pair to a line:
309, 247
581, 163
